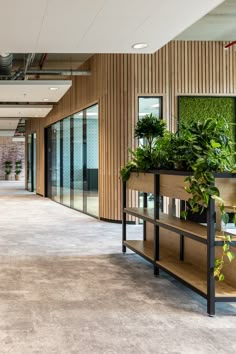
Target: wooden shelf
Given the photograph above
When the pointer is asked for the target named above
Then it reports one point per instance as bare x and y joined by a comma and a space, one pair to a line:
184, 271
143, 248
184, 227
142, 213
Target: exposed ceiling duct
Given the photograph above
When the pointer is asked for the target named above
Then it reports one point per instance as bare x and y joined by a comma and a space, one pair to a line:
6, 64
21, 73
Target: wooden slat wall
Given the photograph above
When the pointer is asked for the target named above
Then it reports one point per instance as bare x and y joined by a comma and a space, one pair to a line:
179, 68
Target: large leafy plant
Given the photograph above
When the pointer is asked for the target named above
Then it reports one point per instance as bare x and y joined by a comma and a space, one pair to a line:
203, 147
148, 130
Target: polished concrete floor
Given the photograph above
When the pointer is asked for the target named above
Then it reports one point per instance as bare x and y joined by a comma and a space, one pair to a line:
65, 287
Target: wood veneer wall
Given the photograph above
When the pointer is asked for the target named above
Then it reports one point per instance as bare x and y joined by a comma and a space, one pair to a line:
179, 68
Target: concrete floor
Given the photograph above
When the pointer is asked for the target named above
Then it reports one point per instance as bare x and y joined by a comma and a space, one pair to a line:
66, 288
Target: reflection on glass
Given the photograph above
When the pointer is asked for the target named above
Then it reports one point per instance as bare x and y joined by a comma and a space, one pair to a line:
34, 163
78, 161
29, 162
55, 167
73, 161
66, 161
148, 105
91, 180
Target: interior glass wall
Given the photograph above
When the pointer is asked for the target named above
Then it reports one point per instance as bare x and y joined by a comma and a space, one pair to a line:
146, 106
31, 162
34, 162
78, 180
72, 161
91, 160
66, 166
55, 168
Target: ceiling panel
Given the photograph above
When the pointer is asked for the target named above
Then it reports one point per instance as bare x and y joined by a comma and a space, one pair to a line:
33, 90
27, 111
20, 24
95, 26
8, 124
219, 24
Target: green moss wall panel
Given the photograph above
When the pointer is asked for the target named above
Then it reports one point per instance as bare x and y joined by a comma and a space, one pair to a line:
201, 108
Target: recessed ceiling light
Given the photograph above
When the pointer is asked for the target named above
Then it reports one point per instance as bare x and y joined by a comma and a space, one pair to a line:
140, 45
53, 88
46, 99
36, 115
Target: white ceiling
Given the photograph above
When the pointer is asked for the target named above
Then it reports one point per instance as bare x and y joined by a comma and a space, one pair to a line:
95, 26
32, 90
24, 111
9, 124
219, 25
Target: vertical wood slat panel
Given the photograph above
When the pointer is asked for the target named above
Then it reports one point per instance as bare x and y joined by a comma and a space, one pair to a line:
116, 81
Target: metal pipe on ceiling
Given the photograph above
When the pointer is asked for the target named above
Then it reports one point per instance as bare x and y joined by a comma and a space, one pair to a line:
6, 64
59, 72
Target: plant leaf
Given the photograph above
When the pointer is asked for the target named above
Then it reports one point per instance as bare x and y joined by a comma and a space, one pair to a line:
230, 256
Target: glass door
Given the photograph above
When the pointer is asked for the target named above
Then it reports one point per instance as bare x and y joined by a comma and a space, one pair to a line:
91, 161
31, 162
78, 166
72, 161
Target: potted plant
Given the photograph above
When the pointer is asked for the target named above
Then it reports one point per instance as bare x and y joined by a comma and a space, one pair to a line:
18, 169
8, 168
201, 147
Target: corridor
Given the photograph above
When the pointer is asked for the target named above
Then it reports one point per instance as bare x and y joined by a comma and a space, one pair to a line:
65, 287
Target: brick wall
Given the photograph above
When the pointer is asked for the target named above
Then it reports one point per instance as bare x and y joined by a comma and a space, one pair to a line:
11, 151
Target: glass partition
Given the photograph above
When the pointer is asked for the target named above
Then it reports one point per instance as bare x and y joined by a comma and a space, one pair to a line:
78, 178
66, 166
31, 162
148, 105
91, 176
72, 161
55, 167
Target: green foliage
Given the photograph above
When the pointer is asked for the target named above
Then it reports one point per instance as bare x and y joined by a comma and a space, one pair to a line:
18, 167
126, 170
149, 128
203, 146
226, 255
202, 108
8, 167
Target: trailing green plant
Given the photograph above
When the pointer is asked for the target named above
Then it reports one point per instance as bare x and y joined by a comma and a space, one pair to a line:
18, 167
211, 151
8, 167
126, 170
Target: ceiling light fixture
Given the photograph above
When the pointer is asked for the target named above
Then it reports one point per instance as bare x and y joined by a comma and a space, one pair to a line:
46, 99
140, 45
53, 88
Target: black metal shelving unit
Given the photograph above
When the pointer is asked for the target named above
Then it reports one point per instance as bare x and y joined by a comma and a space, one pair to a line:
202, 282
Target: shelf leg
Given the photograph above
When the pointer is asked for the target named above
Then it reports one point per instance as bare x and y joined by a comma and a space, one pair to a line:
211, 307
210, 258
181, 248
124, 218
156, 271
144, 222
156, 227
